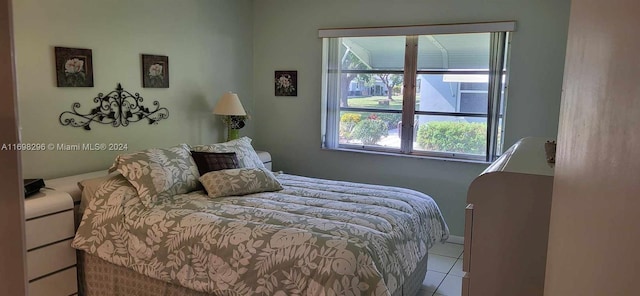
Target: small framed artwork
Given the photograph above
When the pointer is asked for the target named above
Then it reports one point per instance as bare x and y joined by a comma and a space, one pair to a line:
155, 71
286, 83
74, 67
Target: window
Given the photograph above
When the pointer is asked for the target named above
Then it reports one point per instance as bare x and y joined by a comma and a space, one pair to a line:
421, 90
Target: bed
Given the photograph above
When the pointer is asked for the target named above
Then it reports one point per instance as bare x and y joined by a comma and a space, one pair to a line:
312, 237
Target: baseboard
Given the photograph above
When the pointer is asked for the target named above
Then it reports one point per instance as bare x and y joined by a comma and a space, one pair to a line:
454, 239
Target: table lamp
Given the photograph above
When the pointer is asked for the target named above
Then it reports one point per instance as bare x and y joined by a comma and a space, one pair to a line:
230, 107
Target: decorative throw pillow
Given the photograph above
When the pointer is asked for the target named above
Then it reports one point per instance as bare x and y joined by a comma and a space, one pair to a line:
212, 161
247, 156
239, 182
159, 173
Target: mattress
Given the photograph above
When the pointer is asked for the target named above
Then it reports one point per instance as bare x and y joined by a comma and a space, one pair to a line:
314, 237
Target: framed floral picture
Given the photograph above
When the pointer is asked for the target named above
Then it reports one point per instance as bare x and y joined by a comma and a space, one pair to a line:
286, 83
155, 71
74, 67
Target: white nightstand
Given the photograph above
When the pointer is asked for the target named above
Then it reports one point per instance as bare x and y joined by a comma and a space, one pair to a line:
51, 261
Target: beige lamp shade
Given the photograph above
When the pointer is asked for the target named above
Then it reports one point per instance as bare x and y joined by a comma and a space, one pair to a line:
229, 104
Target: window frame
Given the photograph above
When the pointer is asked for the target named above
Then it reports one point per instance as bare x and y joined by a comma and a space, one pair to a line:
500, 33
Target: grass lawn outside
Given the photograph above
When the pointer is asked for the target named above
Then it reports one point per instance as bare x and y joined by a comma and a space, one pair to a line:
373, 102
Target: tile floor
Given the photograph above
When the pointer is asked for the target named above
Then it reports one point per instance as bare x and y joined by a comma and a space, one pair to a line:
444, 271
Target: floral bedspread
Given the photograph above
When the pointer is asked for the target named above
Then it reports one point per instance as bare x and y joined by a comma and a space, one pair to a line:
315, 237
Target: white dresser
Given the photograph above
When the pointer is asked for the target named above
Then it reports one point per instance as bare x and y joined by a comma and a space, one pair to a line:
51, 262
507, 224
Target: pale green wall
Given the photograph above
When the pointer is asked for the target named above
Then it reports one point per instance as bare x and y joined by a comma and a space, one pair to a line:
209, 44
286, 38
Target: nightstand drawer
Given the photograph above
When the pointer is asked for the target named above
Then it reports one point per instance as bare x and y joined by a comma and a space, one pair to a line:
50, 259
48, 229
63, 283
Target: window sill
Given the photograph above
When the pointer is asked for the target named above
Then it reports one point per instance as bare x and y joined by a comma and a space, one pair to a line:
408, 155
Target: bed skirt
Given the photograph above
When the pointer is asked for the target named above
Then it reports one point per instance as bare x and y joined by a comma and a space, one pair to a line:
99, 277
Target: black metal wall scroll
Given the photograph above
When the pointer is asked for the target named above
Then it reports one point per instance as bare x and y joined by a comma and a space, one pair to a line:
117, 108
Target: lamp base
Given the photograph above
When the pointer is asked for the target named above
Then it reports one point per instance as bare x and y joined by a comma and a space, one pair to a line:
232, 134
